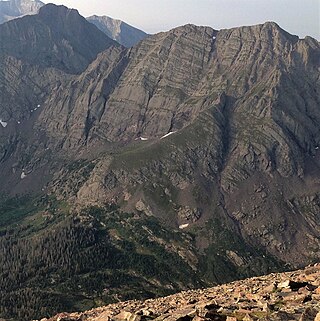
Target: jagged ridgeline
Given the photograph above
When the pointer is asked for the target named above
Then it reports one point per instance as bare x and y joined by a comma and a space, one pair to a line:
188, 160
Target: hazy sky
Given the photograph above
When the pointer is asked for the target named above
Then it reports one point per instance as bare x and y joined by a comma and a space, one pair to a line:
300, 17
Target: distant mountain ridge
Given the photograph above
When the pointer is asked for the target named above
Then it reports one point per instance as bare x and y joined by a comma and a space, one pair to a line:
118, 30
67, 42
11, 9
115, 29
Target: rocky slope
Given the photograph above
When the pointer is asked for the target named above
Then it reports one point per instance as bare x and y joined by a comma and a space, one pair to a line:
195, 148
17, 8
57, 37
118, 30
37, 54
40, 51
288, 296
202, 125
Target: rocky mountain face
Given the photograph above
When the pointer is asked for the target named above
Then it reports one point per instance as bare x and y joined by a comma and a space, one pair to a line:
195, 148
209, 127
11, 9
38, 53
288, 296
36, 50
55, 38
118, 30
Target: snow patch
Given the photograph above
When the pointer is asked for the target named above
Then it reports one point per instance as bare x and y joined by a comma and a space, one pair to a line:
35, 108
183, 226
166, 135
141, 138
23, 175
3, 123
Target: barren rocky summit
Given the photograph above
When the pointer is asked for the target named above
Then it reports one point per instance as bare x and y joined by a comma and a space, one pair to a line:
277, 296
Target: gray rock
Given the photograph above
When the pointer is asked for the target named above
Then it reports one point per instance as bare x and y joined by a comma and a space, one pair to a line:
118, 30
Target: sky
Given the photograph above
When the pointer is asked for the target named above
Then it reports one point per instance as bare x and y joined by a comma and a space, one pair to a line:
299, 17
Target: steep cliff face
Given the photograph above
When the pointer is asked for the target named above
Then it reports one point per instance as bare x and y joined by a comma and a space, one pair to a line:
37, 54
197, 109
56, 37
210, 116
127, 103
38, 51
168, 82
118, 30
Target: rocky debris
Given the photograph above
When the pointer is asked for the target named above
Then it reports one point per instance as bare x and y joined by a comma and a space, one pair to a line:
275, 297
294, 286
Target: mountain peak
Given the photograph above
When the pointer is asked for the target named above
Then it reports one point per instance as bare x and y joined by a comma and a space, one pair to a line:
269, 29
58, 16
51, 8
118, 30
76, 41
273, 26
